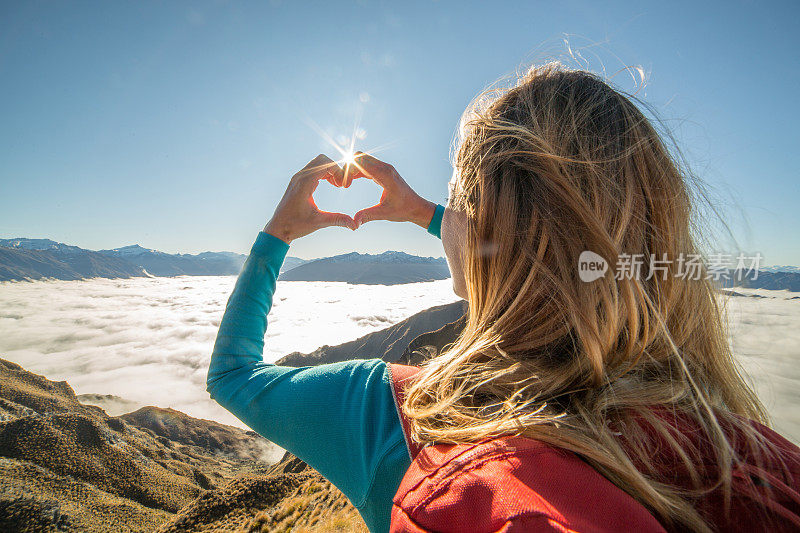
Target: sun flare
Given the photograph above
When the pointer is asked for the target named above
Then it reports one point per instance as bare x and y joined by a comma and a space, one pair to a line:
345, 146
348, 157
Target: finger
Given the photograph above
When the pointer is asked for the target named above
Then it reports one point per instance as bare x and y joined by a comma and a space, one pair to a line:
320, 168
336, 219
372, 168
369, 214
337, 175
349, 174
355, 171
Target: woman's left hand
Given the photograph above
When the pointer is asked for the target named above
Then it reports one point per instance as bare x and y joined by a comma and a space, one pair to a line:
297, 215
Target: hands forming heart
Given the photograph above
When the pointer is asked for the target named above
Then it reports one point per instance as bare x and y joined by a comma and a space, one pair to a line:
297, 214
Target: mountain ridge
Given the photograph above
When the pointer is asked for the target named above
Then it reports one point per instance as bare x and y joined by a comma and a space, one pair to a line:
20, 264
68, 466
24, 259
388, 268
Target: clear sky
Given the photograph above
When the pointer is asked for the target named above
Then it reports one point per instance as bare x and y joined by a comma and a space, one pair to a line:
177, 125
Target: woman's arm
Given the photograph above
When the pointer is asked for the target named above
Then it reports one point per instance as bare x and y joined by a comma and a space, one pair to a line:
340, 418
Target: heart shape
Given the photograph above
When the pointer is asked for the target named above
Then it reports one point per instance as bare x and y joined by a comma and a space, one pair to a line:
345, 200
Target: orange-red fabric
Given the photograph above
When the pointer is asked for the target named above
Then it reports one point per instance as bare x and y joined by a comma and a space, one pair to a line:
516, 484
400, 376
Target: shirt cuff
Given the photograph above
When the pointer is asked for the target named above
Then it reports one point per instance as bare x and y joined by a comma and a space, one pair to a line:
435, 226
270, 247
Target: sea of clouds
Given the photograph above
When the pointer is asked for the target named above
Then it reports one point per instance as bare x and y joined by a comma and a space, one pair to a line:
148, 340
764, 330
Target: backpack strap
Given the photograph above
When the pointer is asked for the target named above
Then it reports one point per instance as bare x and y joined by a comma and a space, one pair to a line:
401, 376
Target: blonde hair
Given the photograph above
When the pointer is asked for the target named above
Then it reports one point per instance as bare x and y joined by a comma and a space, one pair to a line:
557, 164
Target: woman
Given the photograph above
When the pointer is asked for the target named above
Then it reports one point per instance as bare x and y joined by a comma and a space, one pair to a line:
557, 165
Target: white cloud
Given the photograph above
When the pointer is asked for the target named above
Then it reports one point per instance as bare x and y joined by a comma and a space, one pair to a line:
765, 335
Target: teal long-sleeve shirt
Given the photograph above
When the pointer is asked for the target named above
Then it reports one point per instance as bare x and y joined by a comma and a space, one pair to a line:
340, 418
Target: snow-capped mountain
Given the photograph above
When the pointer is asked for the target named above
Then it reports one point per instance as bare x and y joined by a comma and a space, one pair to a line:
23, 258
133, 250
22, 243
781, 268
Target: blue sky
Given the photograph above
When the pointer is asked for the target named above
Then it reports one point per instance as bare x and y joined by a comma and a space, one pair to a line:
176, 125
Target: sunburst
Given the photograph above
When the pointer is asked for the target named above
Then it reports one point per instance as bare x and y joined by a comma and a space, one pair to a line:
347, 151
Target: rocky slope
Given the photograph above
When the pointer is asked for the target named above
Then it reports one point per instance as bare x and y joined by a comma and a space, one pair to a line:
67, 466
216, 438
393, 344
295, 501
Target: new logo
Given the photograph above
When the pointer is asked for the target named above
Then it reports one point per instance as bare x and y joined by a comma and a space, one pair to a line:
591, 266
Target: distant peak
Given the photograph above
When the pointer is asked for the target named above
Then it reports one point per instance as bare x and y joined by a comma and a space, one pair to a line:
132, 249
37, 244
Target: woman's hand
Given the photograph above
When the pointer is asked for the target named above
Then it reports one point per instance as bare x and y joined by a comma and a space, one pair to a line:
398, 203
297, 215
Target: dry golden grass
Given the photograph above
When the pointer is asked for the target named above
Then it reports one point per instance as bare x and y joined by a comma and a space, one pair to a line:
279, 502
34, 499
316, 506
66, 466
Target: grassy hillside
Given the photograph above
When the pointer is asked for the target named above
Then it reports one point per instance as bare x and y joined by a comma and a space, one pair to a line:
67, 466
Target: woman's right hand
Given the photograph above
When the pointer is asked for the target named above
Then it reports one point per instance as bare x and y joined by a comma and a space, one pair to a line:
297, 214
398, 203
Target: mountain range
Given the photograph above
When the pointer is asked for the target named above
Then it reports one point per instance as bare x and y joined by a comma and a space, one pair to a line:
787, 279
67, 465
27, 259
31, 259
388, 268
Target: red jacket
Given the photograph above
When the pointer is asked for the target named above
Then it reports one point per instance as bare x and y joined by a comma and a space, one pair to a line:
515, 484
